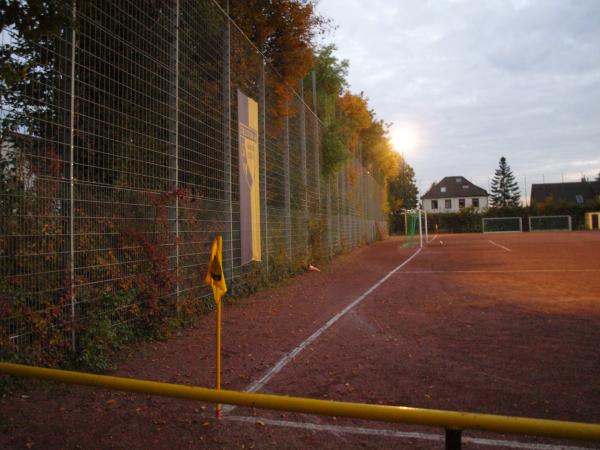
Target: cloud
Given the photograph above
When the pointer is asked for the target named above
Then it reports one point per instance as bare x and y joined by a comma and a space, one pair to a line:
480, 79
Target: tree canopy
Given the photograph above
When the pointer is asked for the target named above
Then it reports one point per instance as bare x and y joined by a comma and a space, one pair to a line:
402, 189
284, 31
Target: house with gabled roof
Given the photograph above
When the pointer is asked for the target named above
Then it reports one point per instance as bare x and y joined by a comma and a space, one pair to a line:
453, 194
572, 193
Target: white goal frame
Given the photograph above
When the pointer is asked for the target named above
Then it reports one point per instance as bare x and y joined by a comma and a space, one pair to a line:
569, 222
483, 219
422, 223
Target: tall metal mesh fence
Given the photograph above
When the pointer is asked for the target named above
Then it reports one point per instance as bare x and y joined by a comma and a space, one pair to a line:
119, 165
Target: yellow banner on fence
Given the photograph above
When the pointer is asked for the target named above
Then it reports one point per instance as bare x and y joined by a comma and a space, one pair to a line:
249, 162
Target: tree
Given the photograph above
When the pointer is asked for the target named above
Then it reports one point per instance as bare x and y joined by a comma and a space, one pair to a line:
402, 189
285, 32
330, 74
505, 190
598, 177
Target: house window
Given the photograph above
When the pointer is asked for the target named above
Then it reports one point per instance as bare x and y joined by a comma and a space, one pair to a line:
465, 186
434, 204
461, 203
579, 199
448, 204
475, 202
443, 189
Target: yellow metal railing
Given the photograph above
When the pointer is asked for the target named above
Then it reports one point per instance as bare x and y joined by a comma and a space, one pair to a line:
452, 421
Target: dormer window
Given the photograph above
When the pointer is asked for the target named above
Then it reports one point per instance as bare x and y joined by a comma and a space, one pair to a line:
459, 180
443, 189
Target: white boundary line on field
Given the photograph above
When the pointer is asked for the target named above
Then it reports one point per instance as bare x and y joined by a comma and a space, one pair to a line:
498, 245
256, 385
399, 434
432, 239
409, 272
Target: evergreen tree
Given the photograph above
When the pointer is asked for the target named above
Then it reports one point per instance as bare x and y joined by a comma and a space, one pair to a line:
505, 190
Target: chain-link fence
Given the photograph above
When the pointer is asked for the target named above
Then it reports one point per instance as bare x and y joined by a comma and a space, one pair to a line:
119, 165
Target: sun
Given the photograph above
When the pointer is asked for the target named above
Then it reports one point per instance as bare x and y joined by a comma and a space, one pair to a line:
404, 139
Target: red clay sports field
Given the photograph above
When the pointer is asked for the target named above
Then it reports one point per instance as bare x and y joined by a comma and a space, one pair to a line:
492, 323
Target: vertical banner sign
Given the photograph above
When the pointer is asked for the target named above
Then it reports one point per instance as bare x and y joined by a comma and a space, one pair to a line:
249, 178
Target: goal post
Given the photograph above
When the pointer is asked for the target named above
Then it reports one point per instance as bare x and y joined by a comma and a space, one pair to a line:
501, 224
550, 223
413, 225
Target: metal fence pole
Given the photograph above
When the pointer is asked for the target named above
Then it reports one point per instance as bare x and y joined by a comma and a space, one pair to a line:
287, 188
263, 158
174, 159
329, 218
227, 142
303, 163
339, 209
317, 148
72, 178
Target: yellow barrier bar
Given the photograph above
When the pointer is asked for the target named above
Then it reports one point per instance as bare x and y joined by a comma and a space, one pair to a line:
402, 414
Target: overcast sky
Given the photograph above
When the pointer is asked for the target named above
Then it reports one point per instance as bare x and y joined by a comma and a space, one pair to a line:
480, 79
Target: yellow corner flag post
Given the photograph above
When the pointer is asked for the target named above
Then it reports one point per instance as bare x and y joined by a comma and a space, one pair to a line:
215, 278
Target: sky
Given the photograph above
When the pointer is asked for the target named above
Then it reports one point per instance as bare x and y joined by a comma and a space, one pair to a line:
472, 81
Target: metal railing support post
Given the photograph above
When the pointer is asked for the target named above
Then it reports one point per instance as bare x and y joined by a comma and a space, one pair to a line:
453, 439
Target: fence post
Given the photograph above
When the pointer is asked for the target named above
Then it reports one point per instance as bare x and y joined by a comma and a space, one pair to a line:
72, 178
329, 218
174, 159
287, 187
303, 164
263, 158
317, 139
227, 144
340, 208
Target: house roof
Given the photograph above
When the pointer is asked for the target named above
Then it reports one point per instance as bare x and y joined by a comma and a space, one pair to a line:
452, 187
579, 192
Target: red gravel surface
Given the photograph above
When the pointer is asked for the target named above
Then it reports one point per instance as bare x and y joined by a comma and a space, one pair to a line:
495, 323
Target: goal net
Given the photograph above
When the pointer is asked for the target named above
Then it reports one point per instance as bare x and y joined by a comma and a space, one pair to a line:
413, 227
550, 223
501, 224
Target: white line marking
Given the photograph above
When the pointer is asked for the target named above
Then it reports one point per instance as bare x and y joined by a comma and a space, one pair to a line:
255, 386
399, 434
501, 271
432, 239
501, 246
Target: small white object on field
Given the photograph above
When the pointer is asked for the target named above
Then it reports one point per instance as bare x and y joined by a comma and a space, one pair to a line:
441, 242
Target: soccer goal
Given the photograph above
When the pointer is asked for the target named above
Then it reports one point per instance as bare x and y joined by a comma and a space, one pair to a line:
501, 224
550, 223
415, 224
